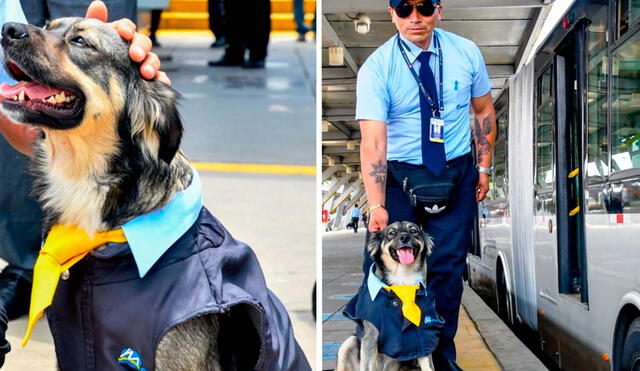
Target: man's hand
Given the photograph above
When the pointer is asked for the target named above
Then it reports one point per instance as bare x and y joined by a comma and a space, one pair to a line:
140, 48
378, 219
483, 187
20, 136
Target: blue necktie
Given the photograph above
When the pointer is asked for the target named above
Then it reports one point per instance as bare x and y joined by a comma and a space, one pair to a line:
433, 157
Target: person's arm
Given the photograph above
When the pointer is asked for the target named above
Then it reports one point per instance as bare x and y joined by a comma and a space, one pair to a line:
484, 132
373, 164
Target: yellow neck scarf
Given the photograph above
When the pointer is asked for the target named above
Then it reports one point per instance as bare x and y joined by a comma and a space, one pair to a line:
407, 294
65, 245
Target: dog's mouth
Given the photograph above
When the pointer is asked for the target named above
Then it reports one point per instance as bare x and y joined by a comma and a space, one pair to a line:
30, 95
404, 255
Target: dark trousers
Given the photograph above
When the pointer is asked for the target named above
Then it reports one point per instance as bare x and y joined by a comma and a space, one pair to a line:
216, 18
39, 11
451, 234
355, 222
248, 27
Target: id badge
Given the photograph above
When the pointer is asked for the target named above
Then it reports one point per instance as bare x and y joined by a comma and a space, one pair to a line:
436, 130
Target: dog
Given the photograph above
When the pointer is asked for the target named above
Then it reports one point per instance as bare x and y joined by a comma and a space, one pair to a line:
109, 152
399, 252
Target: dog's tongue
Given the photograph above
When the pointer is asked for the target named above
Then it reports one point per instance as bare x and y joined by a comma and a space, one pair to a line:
32, 89
406, 255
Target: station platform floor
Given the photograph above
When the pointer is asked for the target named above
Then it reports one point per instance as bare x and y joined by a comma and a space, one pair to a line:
251, 134
483, 341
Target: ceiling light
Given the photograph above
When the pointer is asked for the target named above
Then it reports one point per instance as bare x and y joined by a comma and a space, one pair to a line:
362, 23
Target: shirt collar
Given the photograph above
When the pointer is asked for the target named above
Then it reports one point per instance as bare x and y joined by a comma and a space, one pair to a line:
375, 284
415, 50
150, 235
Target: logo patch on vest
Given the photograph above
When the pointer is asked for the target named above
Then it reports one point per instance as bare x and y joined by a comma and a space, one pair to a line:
428, 319
131, 359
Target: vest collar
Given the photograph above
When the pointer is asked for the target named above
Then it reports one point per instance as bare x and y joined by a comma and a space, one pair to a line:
375, 284
150, 235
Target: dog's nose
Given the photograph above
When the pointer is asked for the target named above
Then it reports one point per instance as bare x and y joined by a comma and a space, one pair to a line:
405, 237
14, 31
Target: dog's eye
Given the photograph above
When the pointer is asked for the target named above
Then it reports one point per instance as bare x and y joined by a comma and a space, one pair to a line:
391, 234
79, 40
413, 231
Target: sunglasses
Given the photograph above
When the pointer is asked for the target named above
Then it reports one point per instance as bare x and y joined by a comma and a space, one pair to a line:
405, 9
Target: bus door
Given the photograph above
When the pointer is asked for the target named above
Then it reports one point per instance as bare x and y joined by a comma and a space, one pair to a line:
569, 113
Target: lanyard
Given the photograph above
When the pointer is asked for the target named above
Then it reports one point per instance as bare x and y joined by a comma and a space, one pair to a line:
435, 110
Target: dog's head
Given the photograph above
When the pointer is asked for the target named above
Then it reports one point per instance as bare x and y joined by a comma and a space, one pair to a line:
400, 244
76, 75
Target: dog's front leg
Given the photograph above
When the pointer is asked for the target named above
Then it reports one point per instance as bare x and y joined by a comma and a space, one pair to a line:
369, 357
425, 363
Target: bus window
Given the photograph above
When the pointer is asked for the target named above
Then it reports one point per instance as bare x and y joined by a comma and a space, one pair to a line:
597, 139
544, 132
628, 13
499, 188
625, 105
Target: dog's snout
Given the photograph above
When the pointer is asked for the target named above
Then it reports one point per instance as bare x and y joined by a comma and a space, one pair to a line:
13, 31
405, 237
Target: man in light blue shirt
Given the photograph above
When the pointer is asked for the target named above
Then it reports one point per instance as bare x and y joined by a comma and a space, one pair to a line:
417, 116
355, 215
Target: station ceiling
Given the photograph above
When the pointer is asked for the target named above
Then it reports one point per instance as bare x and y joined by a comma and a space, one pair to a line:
505, 31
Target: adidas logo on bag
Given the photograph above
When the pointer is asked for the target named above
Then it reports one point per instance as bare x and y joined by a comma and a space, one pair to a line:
434, 210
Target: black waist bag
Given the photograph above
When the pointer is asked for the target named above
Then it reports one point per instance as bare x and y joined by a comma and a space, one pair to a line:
427, 192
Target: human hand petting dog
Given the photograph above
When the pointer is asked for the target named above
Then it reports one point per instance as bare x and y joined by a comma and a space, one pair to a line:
22, 137
378, 219
140, 49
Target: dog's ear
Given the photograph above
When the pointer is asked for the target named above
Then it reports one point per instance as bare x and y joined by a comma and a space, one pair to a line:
375, 240
428, 242
155, 121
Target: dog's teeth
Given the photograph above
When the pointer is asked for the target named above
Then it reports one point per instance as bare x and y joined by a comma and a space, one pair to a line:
63, 97
21, 96
51, 100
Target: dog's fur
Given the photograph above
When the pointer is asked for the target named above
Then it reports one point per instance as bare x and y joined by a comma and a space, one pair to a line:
354, 355
112, 154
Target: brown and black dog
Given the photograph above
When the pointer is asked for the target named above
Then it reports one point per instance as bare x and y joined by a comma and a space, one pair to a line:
109, 153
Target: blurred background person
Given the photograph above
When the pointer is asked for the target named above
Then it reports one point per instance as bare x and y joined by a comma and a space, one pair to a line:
217, 23
248, 28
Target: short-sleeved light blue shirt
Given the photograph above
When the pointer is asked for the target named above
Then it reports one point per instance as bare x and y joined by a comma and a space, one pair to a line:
388, 92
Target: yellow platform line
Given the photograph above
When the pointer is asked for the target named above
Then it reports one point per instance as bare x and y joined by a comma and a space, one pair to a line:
223, 167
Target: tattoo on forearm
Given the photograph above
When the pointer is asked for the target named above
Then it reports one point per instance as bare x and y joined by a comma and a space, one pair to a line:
380, 174
481, 132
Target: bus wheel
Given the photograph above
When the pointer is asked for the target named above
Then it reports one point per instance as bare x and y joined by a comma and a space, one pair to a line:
503, 297
631, 350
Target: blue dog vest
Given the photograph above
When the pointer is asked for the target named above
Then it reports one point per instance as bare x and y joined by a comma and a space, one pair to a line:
399, 338
104, 316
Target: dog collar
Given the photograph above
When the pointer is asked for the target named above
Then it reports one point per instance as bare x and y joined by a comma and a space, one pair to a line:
150, 235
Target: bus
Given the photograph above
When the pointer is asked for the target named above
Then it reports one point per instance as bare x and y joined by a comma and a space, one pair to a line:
557, 241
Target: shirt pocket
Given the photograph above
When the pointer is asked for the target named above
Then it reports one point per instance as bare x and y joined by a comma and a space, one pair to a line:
462, 93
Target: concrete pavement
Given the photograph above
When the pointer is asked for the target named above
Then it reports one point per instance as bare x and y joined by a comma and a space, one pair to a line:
238, 116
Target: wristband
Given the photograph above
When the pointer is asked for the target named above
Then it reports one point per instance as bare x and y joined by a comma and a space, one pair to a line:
485, 170
375, 207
